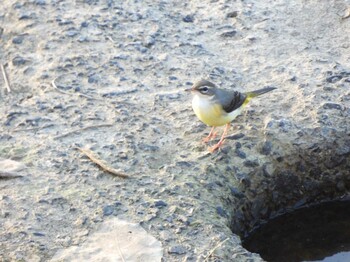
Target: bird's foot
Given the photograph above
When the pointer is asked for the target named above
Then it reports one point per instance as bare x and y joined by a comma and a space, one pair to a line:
209, 137
212, 149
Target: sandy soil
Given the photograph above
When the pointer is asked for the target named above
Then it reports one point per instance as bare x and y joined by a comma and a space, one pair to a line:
120, 68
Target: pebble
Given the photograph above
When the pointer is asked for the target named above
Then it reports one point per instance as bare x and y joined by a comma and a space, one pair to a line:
229, 34
240, 153
293, 79
18, 61
236, 193
108, 210
40, 2
72, 33
149, 41
221, 212
93, 79
266, 148
148, 147
330, 105
98, 68
177, 250
188, 19
26, 16
18, 39
251, 163
232, 14
160, 203
38, 234
334, 79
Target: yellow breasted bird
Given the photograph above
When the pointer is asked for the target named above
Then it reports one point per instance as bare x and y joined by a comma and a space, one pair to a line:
217, 107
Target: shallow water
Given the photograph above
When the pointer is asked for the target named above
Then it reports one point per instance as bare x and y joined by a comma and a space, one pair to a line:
318, 233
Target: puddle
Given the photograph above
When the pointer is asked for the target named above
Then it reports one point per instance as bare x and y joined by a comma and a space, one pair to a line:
318, 233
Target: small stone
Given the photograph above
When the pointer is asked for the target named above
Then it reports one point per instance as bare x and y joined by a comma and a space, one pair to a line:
293, 79
333, 79
18, 60
183, 219
266, 148
165, 235
178, 250
26, 16
221, 211
330, 105
64, 22
122, 155
108, 210
334, 161
341, 186
149, 41
18, 39
251, 163
149, 148
232, 14
240, 153
38, 234
40, 2
82, 39
10, 168
236, 193
183, 164
188, 19
229, 34
72, 33
84, 24
93, 79
160, 203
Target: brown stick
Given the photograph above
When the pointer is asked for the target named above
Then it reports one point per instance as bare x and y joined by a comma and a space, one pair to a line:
5, 78
90, 154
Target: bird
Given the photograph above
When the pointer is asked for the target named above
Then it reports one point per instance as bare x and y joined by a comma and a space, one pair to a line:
216, 106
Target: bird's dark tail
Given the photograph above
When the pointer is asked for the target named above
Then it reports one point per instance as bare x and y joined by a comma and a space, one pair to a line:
260, 91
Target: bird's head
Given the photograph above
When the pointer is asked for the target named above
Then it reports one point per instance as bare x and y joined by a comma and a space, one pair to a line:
204, 88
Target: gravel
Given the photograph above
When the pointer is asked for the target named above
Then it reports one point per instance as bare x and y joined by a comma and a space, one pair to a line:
120, 70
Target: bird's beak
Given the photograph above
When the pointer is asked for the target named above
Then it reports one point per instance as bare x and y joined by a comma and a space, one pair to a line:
189, 89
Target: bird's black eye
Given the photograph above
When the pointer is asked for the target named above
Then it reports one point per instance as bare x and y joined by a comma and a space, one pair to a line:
204, 90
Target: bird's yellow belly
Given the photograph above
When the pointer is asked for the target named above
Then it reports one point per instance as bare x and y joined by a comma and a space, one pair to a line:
211, 113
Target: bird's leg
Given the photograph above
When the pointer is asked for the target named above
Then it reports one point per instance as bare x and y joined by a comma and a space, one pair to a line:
211, 135
217, 146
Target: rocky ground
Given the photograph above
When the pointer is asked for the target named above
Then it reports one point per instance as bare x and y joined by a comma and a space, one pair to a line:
109, 76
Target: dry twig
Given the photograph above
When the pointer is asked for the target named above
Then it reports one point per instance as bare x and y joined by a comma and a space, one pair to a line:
92, 156
33, 128
5, 78
7, 175
80, 129
211, 252
68, 93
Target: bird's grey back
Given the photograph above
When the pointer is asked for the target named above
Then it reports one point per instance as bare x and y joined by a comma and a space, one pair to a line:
229, 99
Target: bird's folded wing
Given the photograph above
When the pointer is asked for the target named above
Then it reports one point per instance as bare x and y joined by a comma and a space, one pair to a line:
231, 100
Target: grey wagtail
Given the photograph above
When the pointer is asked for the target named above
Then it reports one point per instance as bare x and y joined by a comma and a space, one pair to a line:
217, 107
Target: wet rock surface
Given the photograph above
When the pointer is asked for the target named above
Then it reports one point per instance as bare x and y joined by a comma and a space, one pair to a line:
119, 70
